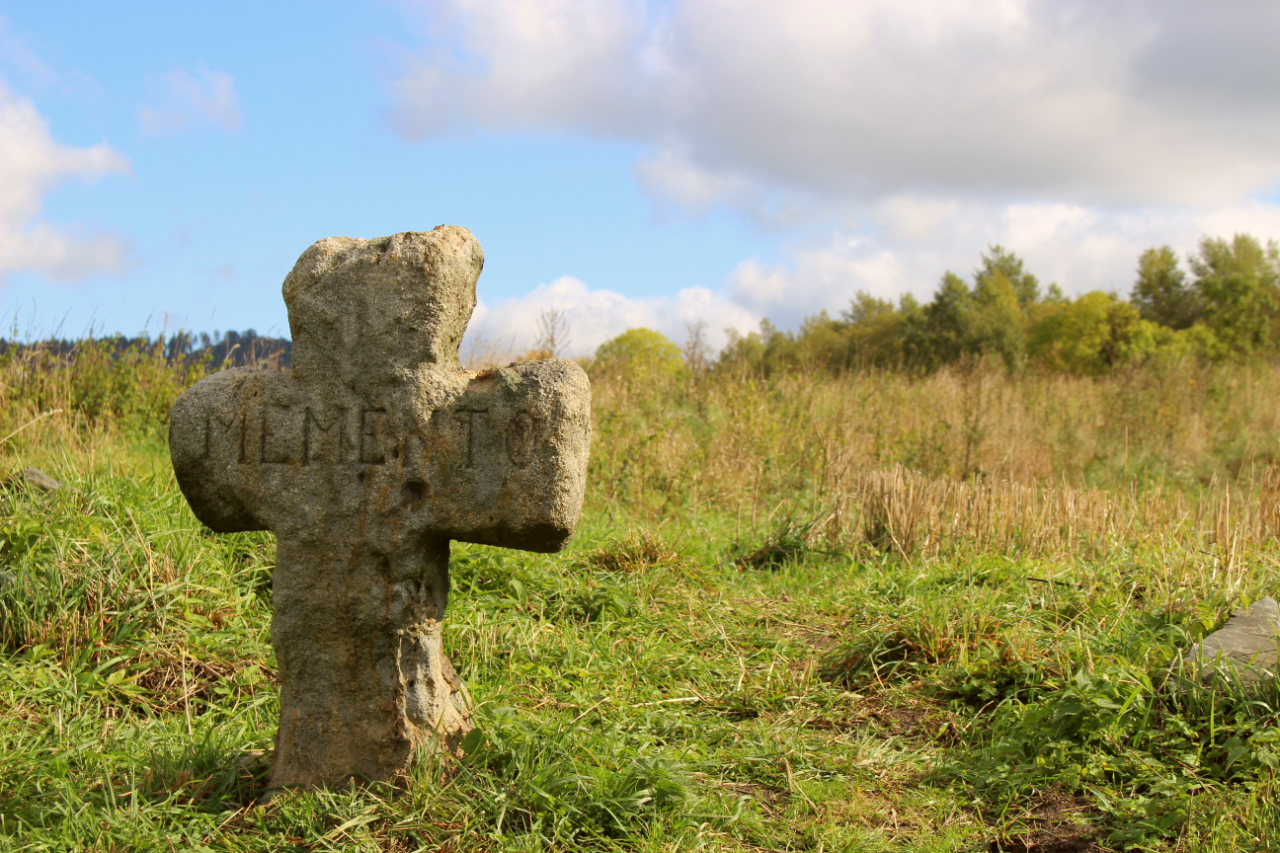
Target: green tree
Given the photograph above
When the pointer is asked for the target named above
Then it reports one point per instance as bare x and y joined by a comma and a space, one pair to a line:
1093, 334
997, 321
865, 308
1237, 284
638, 354
992, 316
1000, 261
1161, 293
875, 332
943, 332
742, 353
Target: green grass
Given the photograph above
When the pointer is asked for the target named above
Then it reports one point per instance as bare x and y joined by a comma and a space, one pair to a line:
655, 690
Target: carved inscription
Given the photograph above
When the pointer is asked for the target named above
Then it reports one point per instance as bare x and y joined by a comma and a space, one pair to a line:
282, 438
279, 434
520, 439
467, 418
326, 441
371, 438
229, 431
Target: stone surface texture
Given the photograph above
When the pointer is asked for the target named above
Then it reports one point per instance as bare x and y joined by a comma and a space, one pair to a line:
39, 480
1244, 647
366, 460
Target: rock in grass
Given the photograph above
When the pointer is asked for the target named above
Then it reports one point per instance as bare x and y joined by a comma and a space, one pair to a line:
366, 460
33, 478
1244, 648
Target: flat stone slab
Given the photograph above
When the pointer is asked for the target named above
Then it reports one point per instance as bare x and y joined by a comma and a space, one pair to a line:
1245, 646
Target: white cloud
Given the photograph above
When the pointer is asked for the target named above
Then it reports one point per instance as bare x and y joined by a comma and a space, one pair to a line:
31, 164
594, 316
185, 102
887, 140
1088, 101
1080, 249
518, 65
669, 175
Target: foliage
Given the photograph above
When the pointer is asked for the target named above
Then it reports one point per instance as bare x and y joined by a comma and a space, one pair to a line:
1095, 334
1237, 285
1225, 306
1161, 293
639, 354
130, 388
1151, 741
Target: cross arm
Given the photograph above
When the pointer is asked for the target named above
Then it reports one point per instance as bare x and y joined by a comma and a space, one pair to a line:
495, 458
515, 448
213, 433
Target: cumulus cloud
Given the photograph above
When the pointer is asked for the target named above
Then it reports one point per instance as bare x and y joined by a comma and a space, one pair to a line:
592, 317
185, 101
1090, 101
1078, 248
31, 164
888, 140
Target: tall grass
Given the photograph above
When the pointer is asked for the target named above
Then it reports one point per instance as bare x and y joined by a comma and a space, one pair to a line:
968, 458
94, 389
723, 437
868, 612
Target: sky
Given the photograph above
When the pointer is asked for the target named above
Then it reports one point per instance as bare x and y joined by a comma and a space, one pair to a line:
626, 163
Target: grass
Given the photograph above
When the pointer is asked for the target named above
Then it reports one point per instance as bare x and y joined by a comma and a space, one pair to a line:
781, 628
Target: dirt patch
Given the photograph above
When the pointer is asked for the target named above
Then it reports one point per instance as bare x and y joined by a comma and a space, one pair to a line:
904, 718
1054, 824
770, 800
180, 683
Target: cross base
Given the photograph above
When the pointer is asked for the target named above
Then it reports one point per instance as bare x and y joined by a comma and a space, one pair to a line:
364, 681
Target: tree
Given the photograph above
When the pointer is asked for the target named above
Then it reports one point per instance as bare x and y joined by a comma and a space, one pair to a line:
1161, 293
1093, 334
998, 323
943, 333
865, 308
639, 354
696, 351
553, 332
821, 342
991, 317
875, 332
1237, 285
1000, 261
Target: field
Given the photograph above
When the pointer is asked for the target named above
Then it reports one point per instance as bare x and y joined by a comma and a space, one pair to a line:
854, 612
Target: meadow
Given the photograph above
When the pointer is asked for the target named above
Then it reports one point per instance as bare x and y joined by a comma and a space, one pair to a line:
866, 610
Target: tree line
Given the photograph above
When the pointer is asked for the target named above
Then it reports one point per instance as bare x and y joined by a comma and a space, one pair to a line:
1222, 303
181, 348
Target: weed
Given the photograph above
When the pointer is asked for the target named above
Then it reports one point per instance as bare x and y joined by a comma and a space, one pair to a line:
632, 553
791, 542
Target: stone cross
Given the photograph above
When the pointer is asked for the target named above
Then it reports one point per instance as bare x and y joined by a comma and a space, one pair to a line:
366, 460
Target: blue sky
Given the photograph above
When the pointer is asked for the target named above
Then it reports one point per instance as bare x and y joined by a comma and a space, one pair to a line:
628, 163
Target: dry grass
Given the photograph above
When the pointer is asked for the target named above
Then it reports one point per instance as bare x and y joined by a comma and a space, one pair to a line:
634, 552
1180, 422
913, 515
966, 459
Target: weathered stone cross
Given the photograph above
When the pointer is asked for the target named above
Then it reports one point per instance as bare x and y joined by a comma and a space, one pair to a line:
365, 461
